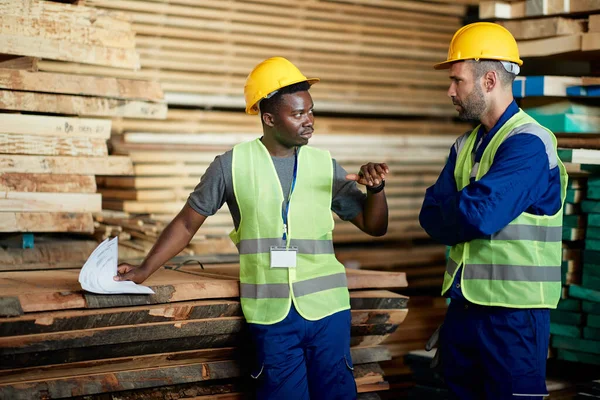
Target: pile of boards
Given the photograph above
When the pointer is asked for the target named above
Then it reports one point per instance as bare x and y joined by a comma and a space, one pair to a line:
373, 57
54, 126
189, 339
549, 27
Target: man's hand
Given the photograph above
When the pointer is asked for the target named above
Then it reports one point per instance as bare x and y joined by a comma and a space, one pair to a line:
128, 272
370, 174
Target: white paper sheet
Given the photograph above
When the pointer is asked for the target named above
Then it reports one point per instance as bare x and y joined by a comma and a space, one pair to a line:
97, 273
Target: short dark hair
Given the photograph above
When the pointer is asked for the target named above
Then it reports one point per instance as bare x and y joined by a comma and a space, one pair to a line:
271, 104
481, 67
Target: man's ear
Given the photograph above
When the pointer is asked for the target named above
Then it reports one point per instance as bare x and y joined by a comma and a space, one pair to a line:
268, 119
490, 80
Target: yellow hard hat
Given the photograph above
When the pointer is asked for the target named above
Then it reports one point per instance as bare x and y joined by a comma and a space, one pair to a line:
482, 41
269, 76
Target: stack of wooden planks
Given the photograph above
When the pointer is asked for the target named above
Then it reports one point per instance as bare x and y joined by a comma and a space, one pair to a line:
373, 58
189, 339
549, 27
53, 125
575, 325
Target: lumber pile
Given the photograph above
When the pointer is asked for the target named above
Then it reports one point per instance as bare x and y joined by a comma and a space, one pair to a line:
54, 126
549, 27
189, 339
373, 57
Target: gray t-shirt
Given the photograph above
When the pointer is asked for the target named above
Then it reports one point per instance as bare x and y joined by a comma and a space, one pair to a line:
216, 188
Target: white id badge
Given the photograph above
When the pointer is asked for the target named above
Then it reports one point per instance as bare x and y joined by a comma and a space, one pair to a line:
282, 257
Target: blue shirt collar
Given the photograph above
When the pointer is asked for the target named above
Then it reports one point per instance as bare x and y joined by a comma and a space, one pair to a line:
510, 111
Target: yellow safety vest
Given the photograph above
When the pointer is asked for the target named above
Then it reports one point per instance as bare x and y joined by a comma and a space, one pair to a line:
520, 265
317, 285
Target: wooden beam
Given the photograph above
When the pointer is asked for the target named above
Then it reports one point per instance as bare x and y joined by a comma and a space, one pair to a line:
550, 46
80, 339
19, 63
50, 202
45, 222
41, 125
104, 366
13, 182
446, 9
86, 16
54, 49
119, 381
78, 34
590, 41
501, 9
48, 82
112, 165
80, 105
594, 23
52, 146
112, 317
544, 27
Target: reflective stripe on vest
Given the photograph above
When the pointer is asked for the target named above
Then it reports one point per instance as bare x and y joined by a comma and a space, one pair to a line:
282, 290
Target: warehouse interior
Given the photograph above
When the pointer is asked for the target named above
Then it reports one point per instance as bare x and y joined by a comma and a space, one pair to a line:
111, 112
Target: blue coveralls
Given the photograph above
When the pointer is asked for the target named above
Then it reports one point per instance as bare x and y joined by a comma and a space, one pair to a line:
300, 359
493, 352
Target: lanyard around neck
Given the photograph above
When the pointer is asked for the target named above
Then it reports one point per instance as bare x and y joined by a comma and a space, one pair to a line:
285, 211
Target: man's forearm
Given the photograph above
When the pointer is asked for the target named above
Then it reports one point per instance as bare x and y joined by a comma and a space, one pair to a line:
375, 213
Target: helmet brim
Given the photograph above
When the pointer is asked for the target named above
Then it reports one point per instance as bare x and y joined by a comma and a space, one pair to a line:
254, 109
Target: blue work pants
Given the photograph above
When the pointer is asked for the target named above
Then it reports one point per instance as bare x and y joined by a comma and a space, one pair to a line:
494, 353
299, 359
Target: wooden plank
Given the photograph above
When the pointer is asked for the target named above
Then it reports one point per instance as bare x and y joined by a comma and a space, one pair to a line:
590, 41
50, 202
104, 366
58, 290
12, 182
80, 105
45, 222
544, 27
447, 9
49, 29
80, 15
49, 82
501, 9
551, 7
112, 165
118, 381
52, 146
343, 14
19, 63
550, 46
54, 49
112, 317
80, 339
41, 125
594, 23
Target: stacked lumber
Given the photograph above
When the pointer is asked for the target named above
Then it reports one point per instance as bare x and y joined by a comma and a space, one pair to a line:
373, 57
549, 27
54, 131
188, 339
